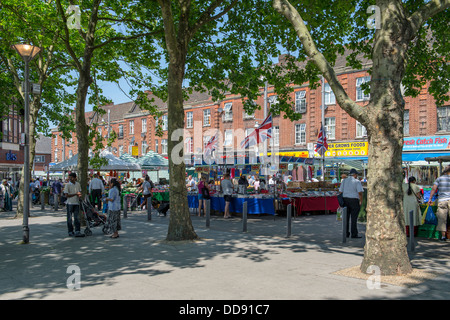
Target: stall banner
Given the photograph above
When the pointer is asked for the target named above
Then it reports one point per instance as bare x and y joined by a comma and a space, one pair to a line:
135, 151
426, 143
347, 149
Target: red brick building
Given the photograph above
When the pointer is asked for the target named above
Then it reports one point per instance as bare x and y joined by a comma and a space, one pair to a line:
203, 117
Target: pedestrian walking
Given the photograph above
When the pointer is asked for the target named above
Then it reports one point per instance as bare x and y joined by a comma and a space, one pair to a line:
227, 190
442, 184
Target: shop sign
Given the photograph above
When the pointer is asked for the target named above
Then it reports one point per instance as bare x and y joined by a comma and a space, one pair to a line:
347, 149
426, 143
11, 156
297, 154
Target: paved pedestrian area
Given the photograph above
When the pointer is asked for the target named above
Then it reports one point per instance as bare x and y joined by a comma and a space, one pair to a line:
225, 264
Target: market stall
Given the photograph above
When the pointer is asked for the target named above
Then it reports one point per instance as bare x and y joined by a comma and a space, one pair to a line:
256, 204
312, 196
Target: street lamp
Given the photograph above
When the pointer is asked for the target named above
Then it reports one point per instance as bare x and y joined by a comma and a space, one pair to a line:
27, 52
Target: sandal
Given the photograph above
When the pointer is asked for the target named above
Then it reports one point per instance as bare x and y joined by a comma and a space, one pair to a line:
112, 237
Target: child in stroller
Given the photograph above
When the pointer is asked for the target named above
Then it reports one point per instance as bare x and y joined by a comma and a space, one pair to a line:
93, 218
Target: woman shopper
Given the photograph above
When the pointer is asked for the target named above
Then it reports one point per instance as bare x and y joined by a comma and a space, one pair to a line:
113, 221
442, 184
411, 198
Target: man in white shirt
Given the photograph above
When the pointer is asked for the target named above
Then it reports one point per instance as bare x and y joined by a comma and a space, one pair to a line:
353, 193
96, 189
72, 191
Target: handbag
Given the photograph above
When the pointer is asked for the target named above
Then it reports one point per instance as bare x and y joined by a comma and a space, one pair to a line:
340, 198
205, 193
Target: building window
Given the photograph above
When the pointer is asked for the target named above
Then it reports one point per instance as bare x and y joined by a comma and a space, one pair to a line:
120, 131
443, 121
206, 117
120, 150
144, 147
131, 126
406, 123
189, 145
70, 153
276, 136
330, 128
56, 155
228, 112
300, 101
56, 140
205, 141
189, 119
361, 131
156, 146
39, 159
164, 149
360, 95
300, 133
247, 116
329, 95
165, 123
228, 138
144, 125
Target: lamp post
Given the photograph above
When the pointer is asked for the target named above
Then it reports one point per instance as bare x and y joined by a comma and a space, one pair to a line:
27, 52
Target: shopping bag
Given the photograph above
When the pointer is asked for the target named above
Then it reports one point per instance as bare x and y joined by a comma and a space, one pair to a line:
339, 213
429, 217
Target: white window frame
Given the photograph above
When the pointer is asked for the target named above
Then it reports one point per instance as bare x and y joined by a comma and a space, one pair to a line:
228, 112
443, 113
189, 119
300, 133
131, 123
228, 138
120, 131
144, 125
39, 158
330, 98
144, 146
406, 123
300, 101
165, 122
360, 95
164, 146
276, 135
361, 131
330, 128
207, 117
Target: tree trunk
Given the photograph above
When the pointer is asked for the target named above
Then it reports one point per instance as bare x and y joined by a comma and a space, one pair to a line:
385, 236
82, 129
180, 224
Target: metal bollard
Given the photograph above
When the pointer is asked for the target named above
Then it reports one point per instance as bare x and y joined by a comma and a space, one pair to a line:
244, 217
125, 206
149, 208
411, 231
56, 203
208, 212
42, 195
289, 220
344, 225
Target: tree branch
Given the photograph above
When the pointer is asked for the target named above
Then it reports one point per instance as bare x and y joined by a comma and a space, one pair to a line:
287, 10
418, 18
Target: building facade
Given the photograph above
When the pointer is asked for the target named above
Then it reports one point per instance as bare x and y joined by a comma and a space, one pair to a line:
204, 117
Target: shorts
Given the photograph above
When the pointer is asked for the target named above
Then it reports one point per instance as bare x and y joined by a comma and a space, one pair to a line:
200, 196
442, 212
228, 197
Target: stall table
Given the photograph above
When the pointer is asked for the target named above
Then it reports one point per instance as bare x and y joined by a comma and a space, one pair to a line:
303, 204
256, 204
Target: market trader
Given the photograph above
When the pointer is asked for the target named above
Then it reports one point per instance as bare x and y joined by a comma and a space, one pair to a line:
353, 194
96, 189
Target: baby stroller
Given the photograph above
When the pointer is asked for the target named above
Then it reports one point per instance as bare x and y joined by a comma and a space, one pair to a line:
93, 218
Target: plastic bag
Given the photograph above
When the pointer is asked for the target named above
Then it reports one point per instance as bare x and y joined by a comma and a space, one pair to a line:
339, 213
429, 217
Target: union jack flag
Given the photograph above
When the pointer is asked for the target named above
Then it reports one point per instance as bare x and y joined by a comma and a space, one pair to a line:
322, 144
260, 134
212, 144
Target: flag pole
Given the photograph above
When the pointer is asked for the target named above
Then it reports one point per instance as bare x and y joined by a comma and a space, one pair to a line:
323, 135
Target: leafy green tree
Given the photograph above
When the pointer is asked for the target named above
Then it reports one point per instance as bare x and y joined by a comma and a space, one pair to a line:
408, 45
31, 22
